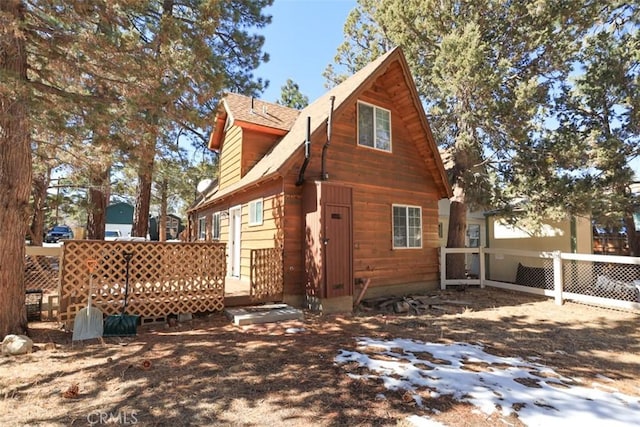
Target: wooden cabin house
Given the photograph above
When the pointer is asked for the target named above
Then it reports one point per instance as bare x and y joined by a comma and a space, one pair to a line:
343, 192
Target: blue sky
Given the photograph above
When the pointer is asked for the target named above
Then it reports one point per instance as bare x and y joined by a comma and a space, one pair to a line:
301, 40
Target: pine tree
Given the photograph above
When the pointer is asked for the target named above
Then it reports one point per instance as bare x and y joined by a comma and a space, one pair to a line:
485, 71
586, 164
15, 166
107, 74
290, 96
189, 52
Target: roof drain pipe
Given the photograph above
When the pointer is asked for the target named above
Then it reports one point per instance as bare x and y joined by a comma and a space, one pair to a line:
307, 153
324, 175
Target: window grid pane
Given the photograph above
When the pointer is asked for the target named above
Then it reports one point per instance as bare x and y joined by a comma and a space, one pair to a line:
399, 227
365, 125
383, 130
202, 231
216, 226
414, 227
259, 212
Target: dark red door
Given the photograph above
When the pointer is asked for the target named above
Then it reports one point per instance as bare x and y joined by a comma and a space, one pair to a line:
337, 225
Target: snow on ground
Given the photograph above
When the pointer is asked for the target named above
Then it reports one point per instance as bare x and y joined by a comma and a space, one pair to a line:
538, 395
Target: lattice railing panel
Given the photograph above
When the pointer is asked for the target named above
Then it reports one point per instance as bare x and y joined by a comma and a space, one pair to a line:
164, 278
267, 279
42, 272
601, 279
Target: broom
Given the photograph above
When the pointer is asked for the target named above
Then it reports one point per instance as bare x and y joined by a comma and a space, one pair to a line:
122, 325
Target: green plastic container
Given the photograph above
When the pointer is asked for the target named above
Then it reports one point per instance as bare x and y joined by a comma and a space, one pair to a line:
122, 325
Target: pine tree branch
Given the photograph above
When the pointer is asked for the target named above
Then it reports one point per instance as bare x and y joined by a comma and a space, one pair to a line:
70, 95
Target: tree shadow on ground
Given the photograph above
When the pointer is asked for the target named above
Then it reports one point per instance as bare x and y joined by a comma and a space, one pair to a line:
209, 372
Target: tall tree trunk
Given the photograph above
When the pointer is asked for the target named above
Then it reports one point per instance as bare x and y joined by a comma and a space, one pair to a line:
456, 238
15, 167
148, 150
100, 180
39, 195
162, 226
633, 237
99, 188
143, 195
455, 263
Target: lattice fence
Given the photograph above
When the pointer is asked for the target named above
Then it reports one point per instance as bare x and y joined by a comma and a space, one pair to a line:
42, 274
42, 269
601, 279
607, 280
266, 273
164, 278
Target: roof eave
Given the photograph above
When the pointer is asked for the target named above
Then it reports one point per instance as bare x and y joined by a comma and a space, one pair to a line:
216, 198
215, 140
260, 128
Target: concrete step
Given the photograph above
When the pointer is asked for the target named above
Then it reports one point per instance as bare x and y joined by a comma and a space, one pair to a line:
267, 313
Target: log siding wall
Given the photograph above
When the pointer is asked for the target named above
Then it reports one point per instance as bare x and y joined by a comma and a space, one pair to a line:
379, 179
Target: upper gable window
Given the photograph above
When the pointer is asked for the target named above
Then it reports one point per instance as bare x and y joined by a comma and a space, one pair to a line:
374, 127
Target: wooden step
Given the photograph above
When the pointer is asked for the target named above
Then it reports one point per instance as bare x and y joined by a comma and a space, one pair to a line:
267, 313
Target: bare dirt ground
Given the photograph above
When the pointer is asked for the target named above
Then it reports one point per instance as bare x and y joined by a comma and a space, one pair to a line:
209, 372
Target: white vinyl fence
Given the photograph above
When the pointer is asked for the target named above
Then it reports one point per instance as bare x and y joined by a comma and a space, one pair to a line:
612, 281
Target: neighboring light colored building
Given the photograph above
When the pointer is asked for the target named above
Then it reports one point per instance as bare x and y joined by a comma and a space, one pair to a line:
476, 235
572, 235
487, 229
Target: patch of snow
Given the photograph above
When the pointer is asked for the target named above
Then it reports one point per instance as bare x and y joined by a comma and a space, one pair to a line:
605, 378
499, 384
604, 387
418, 421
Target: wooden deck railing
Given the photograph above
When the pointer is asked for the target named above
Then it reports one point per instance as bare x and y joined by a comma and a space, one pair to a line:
164, 278
267, 279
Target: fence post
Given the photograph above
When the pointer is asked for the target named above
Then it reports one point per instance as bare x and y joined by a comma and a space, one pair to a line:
443, 267
482, 270
557, 276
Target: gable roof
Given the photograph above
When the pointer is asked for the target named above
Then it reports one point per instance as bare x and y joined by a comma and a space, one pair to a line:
251, 113
277, 161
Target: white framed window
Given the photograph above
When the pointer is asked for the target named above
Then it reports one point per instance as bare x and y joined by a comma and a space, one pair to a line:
374, 127
255, 212
202, 228
473, 233
215, 226
407, 226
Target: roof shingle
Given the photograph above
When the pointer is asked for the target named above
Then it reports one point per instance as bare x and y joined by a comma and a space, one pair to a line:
263, 113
